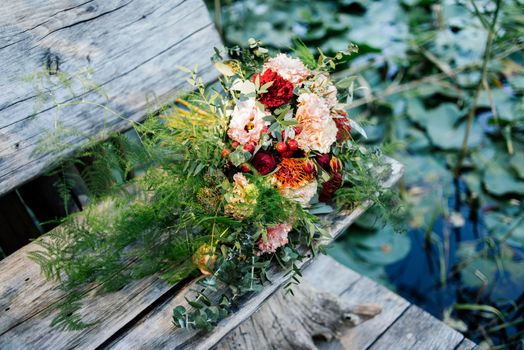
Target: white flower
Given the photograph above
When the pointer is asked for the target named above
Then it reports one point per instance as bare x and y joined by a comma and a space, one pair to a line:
291, 69
303, 195
319, 131
247, 122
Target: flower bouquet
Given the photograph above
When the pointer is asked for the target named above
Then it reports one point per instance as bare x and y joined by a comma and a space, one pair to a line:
236, 179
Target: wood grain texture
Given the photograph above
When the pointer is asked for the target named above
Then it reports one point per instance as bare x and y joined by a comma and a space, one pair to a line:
275, 317
399, 325
132, 48
467, 344
366, 291
299, 321
416, 329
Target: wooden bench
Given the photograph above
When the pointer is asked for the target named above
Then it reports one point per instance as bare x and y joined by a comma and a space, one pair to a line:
132, 48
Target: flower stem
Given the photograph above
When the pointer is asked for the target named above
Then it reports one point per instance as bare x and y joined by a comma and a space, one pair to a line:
482, 82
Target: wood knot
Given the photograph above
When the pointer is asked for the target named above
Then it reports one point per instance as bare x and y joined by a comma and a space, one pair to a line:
51, 62
91, 8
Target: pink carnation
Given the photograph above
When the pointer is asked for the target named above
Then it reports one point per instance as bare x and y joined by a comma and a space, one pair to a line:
291, 69
276, 238
247, 122
319, 131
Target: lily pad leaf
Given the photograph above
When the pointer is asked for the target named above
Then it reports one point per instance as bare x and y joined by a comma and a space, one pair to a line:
517, 163
443, 132
500, 181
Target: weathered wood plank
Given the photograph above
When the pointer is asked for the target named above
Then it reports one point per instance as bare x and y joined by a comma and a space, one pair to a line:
279, 320
416, 329
467, 344
132, 48
366, 291
328, 275
300, 321
276, 316
156, 329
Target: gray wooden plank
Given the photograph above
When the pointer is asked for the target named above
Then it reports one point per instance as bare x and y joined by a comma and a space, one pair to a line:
467, 344
156, 329
328, 275
132, 48
366, 291
278, 315
416, 329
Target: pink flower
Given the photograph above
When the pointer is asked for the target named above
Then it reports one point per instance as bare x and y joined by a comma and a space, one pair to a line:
276, 238
319, 131
291, 69
247, 122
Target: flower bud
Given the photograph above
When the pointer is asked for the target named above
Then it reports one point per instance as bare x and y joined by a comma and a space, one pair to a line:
335, 164
309, 167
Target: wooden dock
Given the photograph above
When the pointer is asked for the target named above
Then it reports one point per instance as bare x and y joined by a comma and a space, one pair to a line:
132, 48
399, 324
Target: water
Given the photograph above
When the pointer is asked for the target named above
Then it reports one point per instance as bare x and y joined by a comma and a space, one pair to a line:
430, 275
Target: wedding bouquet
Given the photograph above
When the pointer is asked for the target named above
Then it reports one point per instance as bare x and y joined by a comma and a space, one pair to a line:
238, 175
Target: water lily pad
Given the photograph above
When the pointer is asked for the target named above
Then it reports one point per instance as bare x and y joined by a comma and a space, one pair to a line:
517, 163
443, 132
380, 247
509, 108
500, 225
499, 181
372, 219
484, 270
341, 254
416, 111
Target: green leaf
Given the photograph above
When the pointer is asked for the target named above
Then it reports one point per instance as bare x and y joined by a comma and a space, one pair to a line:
356, 126
480, 307
304, 54
239, 156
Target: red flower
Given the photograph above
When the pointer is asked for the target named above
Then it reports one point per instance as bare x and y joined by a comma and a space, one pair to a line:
342, 122
264, 162
330, 187
323, 160
277, 94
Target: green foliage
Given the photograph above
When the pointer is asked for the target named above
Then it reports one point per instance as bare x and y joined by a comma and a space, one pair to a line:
173, 218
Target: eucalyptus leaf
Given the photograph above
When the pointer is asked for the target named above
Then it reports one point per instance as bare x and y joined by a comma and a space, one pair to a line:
356, 126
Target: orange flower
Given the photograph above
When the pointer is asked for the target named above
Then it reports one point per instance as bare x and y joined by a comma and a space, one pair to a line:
292, 173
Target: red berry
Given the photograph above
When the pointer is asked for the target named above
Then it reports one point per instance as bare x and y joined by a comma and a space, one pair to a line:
298, 129
225, 152
281, 147
245, 168
249, 147
292, 144
264, 129
283, 134
235, 144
